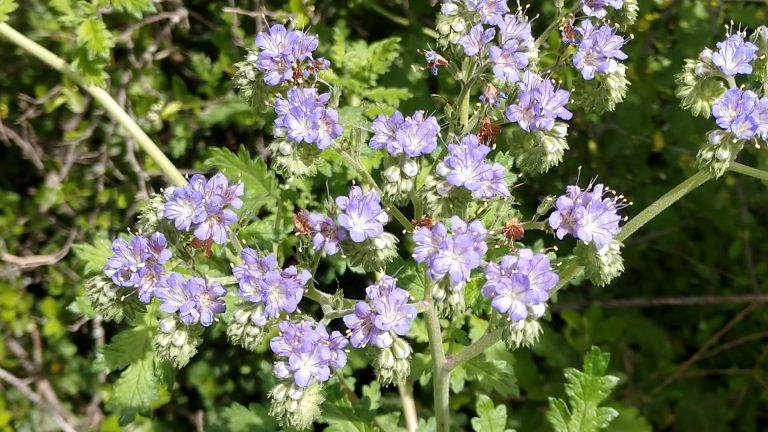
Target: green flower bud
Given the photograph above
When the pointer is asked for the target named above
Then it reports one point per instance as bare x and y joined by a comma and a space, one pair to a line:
602, 93
442, 199
522, 333
294, 160
602, 266
537, 152
151, 215
373, 254
295, 407
698, 86
248, 83
626, 16
393, 364
246, 328
717, 154
400, 175
176, 342
112, 302
760, 64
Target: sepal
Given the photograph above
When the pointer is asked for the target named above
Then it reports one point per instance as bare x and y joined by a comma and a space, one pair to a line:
176, 342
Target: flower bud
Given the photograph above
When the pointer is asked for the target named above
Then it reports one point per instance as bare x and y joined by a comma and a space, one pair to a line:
698, 86
604, 92
246, 327
112, 302
294, 407
539, 151
459, 25
603, 265
717, 154
373, 254
523, 333
441, 199
393, 365
151, 214
176, 342
294, 160
449, 9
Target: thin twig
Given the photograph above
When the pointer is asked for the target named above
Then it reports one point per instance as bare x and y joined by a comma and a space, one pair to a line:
26, 391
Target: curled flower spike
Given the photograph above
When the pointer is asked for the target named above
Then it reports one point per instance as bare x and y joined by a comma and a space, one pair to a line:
539, 104
308, 352
384, 315
139, 263
599, 48
282, 50
456, 254
587, 215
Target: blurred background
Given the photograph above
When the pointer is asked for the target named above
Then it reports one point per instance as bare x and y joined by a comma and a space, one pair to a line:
686, 324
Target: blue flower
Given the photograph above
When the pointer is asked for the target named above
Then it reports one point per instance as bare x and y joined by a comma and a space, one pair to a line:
734, 55
361, 214
308, 353
385, 314
599, 48
587, 215
476, 40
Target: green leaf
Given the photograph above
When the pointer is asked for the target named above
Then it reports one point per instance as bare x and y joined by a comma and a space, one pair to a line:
93, 34
93, 255
127, 347
134, 7
6, 7
489, 418
136, 389
585, 390
237, 418
496, 375
410, 276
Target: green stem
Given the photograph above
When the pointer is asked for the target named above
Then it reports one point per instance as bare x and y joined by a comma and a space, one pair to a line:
749, 171
400, 20
572, 269
556, 22
662, 203
534, 226
440, 372
105, 99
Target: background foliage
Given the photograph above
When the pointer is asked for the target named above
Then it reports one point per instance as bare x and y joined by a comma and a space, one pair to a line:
70, 176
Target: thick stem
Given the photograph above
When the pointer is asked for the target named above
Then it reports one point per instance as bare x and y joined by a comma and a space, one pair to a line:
749, 171
105, 99
440, 373
409, 405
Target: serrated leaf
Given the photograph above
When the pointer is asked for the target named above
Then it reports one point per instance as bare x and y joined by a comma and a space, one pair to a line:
496, 375
126, 347
93, 255
93, 34
6, 7
237, 418
134, 7
136, 389
585, 390
410, 276
489, 418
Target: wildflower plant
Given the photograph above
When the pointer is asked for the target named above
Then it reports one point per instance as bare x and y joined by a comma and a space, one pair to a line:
425, 212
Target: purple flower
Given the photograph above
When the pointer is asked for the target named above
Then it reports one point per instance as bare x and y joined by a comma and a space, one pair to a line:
539, 104
508, 61
386, 313
475, 41
596, 8
196, 300
586, 215
515, 29
280, 50
325, 234
384, 131
466, 166
491, 183
740, 112
734, 55
456, 255
308, 352
262, 281
302, 116
417, 135
491, 11
361, 214
204, 206
517, 283
428, 241
598, 50
139, 263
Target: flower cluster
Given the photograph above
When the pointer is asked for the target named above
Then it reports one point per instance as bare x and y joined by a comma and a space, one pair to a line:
587, 214
519, 286
263, 282
413, 136
204, 206
385, 315
303, 117
455, 255
539, 104
282, 52
139, 263
195, 299
361, 214
326, 235
466, 166
598, 50
308, 352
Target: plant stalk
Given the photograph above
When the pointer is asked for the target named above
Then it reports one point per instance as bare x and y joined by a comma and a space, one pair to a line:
100, 95
749, 171
440, 373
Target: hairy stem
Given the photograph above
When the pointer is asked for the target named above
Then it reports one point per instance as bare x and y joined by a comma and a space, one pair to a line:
572, 269
440, 373
749, 171
409, 405
105, 99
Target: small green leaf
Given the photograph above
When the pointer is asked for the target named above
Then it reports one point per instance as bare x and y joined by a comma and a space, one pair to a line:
93, 255
489, 418
126, 347
93, 34
237, 418
258, 181
136, 389
496, 375
6, 7
134, 7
